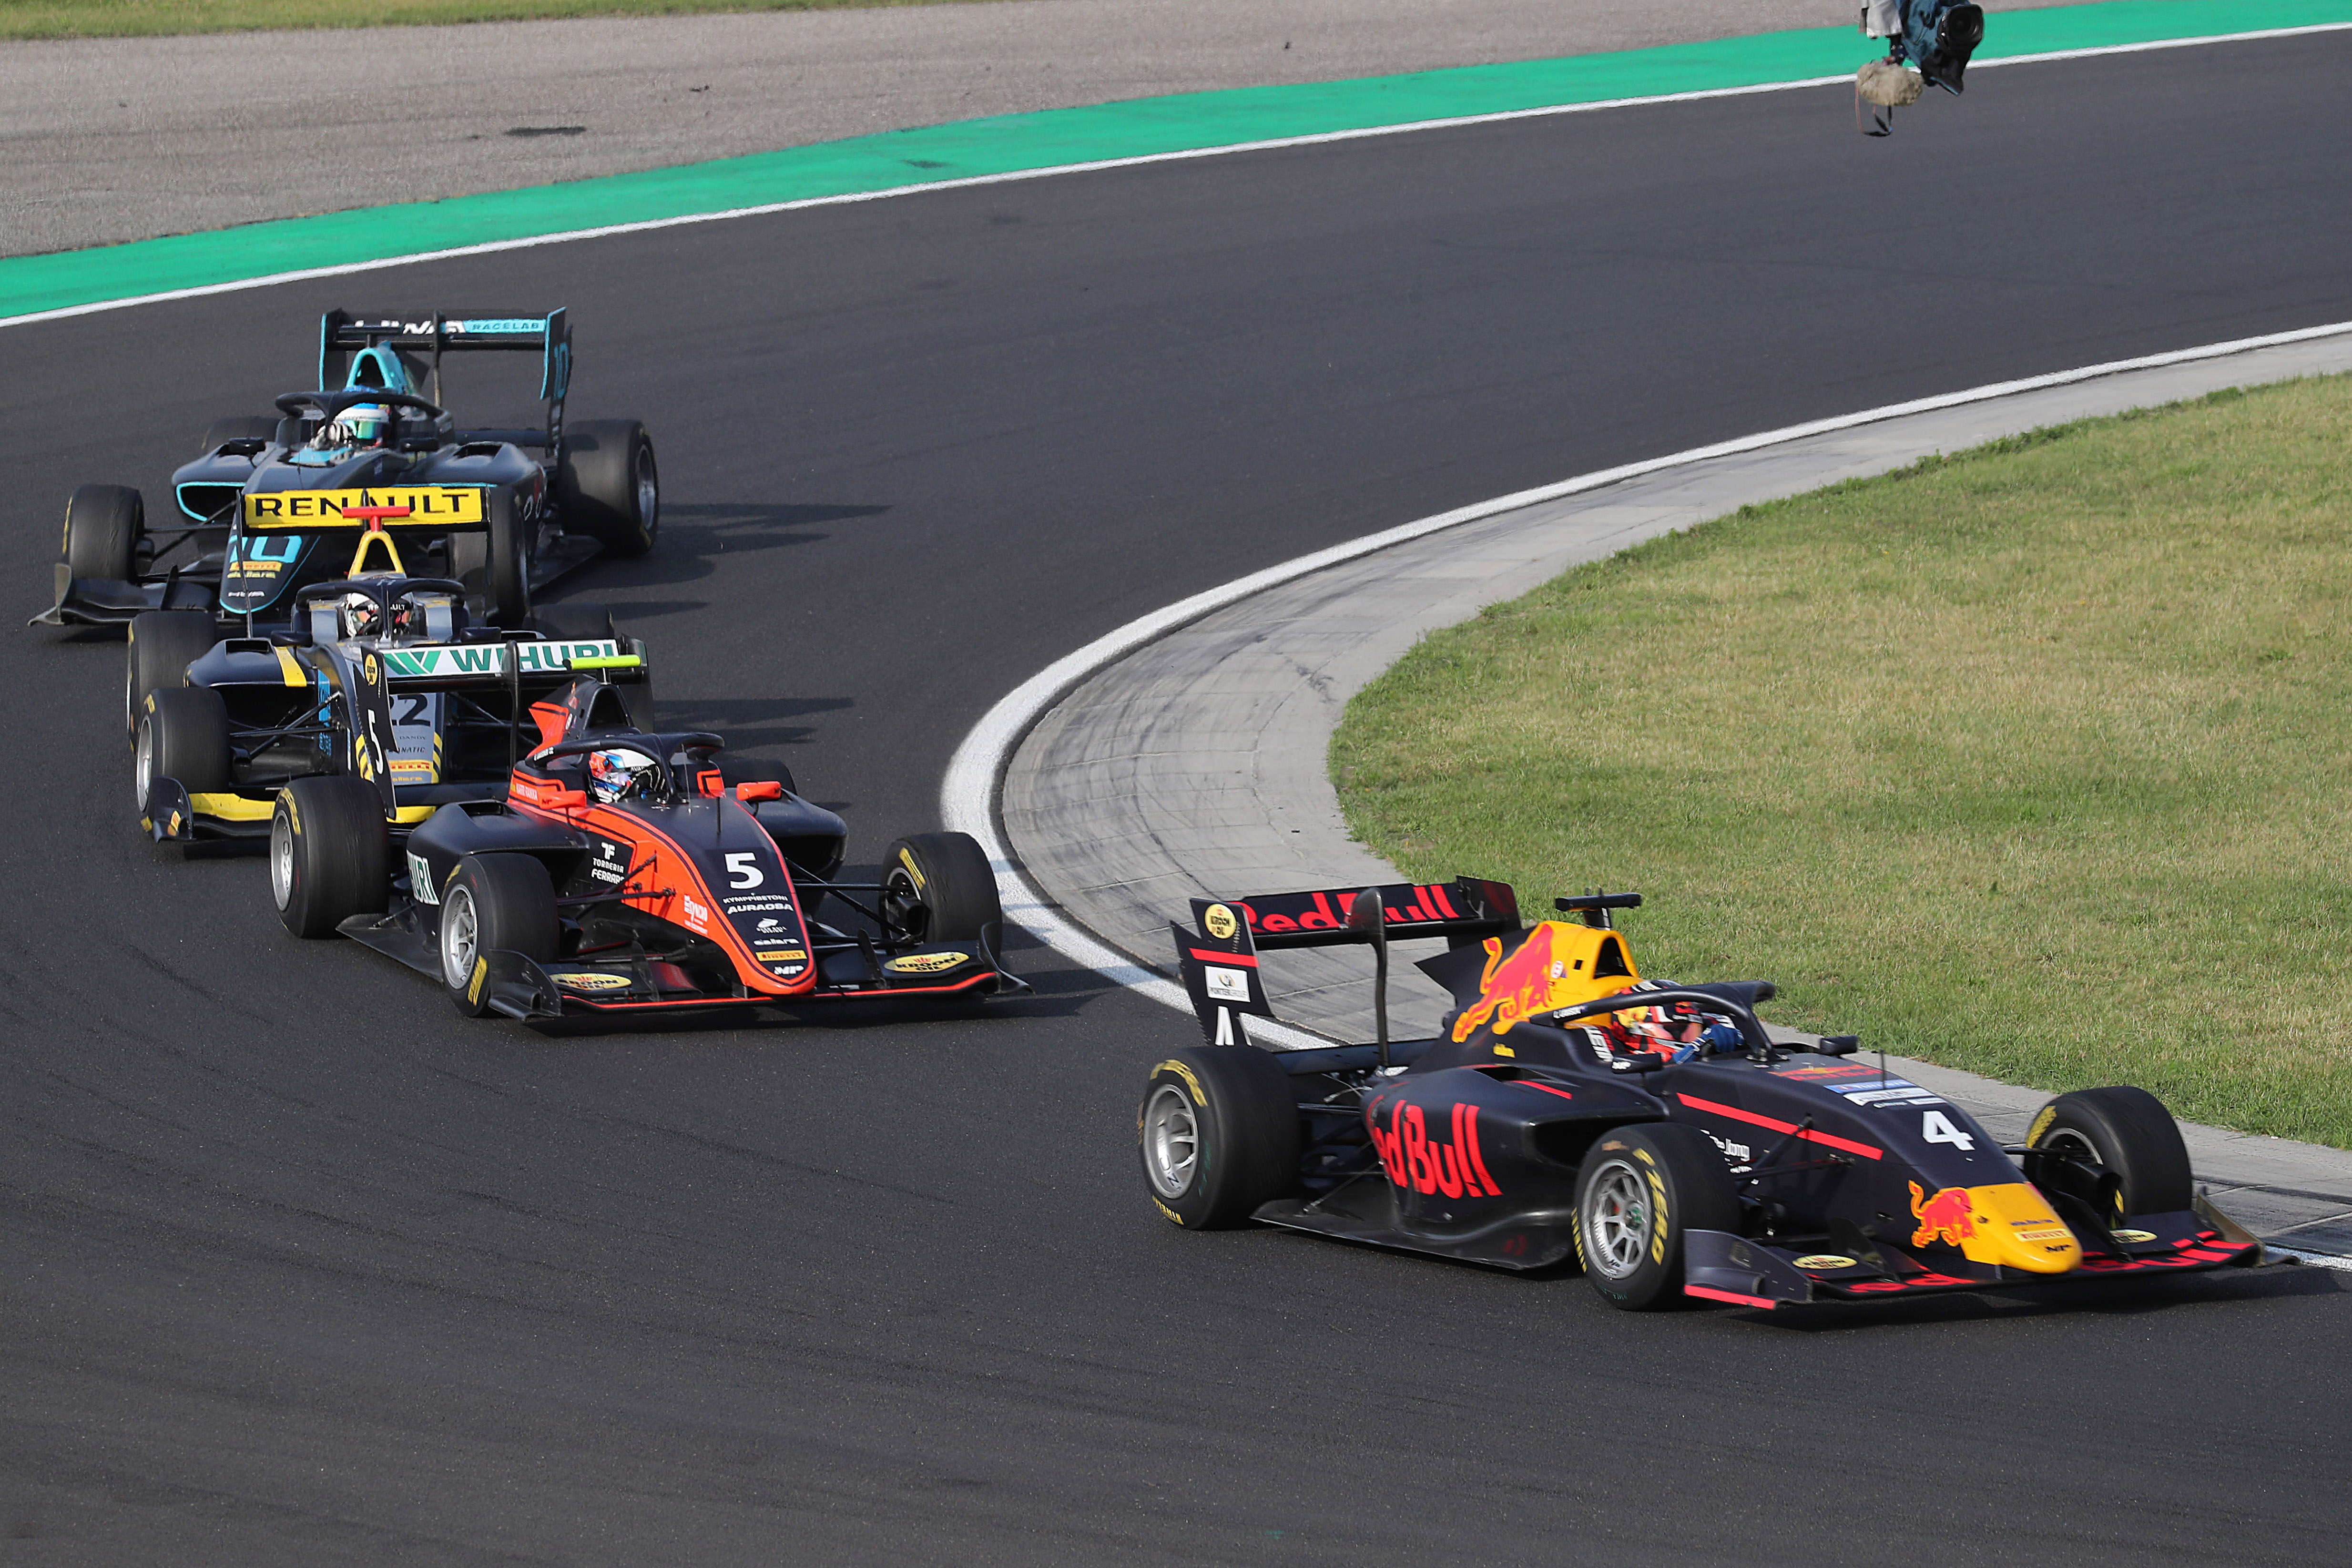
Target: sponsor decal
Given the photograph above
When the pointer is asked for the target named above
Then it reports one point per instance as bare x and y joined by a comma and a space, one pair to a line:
2060, 1234
926, 963
408, 769
697, 915
768, 925
420, 880
1227, 985
531, 658
1219, 922
1819, 1261
589, 980
754, 906
1413, 1160
1738, 1151
1841, 1069
782, 955
1947, 1215
411, 506
2132, 1236
1886, 1092
610, 863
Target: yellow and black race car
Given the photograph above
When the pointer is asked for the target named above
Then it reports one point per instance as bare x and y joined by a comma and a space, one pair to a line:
373, 675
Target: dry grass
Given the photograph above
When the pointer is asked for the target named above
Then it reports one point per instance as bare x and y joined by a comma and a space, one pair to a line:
2034, 761
116, 18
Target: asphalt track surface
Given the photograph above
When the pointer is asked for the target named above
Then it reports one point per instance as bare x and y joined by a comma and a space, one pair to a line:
299, 1267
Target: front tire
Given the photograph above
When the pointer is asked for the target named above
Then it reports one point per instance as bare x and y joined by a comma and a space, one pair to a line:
184, 735
938, 887
1641, 1189
330, 853
2129, 1132
494, 902
104, 524
163, 643
610, 486
1217, 1133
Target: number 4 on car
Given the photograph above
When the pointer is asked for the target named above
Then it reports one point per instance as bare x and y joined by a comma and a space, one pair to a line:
1656, 1133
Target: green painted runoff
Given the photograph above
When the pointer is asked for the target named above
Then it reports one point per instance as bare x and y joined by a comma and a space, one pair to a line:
1056, 138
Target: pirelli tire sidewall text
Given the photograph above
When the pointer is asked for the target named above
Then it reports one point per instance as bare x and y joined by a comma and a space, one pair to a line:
938, 887
1684, 1185
2128, 1131
1243, 1126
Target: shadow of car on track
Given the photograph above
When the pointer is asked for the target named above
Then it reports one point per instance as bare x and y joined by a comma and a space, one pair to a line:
695, 534
751, 722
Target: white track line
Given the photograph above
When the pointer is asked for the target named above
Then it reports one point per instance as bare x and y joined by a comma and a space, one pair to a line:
2317, 1259
492, 247
968, 796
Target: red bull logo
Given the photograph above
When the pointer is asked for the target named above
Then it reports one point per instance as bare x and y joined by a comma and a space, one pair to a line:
1947, 1215
1420, 1164
1555, 967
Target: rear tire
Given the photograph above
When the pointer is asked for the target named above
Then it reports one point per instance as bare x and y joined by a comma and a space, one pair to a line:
493, 902
238, 427
938, 887
330, 853
1643, 1188
163, 643
2129, 1133
610, 486
1217, 1133
184, 735
104, 524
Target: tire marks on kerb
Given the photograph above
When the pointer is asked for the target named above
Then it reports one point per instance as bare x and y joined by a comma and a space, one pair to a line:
968, 794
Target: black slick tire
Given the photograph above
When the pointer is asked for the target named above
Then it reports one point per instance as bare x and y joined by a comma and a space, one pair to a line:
1217, 1134
104, 524
330, 853
238, 427
163, 643
609, 486
938, 887
2130, 1133
493, 902
494, 563
183, 734
1641, 1190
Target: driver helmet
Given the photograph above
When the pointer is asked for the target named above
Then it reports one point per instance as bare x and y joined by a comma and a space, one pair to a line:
358, 615
617, 775
360, 425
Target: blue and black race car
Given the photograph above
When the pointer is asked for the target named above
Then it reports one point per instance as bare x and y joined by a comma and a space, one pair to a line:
368, 473
1658, 1134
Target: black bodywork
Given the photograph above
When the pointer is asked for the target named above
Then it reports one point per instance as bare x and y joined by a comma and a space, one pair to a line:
260, 516
1852, 1182
437, 703
709, 894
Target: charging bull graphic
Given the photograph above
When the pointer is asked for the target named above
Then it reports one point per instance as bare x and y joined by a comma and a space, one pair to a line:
1946, 1214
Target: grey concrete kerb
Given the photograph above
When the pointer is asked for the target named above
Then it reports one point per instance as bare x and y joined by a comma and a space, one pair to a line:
1194, 765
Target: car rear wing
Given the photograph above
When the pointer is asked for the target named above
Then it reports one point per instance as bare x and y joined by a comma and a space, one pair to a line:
1218, 957
420, 343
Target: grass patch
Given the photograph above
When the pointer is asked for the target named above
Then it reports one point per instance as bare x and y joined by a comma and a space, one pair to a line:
122, 18
2032, 761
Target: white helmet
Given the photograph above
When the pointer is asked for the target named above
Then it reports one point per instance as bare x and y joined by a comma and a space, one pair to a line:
360, 425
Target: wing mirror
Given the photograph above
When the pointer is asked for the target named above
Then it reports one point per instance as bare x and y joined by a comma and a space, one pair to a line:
761, 789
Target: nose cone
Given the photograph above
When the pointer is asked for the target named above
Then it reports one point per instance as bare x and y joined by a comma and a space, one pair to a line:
2015, 1229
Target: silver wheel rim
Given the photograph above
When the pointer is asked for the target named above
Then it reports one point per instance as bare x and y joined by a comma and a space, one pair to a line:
649, 494
1172, 1141
143, 762
281, 859
459, 933
1617, 1220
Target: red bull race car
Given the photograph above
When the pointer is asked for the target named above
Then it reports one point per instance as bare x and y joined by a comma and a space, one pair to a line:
1656, 1133
623, 872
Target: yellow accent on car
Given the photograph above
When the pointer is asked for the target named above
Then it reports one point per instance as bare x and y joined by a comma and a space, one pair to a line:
290, 668
2014, 1226
616, 661
429, 506
368, 542
232, 807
